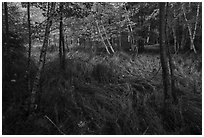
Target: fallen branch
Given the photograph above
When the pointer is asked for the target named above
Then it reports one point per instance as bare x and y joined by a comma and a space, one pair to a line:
54, 125
145, 131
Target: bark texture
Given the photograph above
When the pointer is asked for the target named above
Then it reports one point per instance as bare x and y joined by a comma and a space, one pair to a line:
165, 63
33, 104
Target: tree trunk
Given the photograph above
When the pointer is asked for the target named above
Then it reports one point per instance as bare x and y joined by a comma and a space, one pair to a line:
141, 42
174, 98
6, 18
60, 37
78, 42
113, 51
195, 27
192, 47
166, 72
148, 37
6, 46
102, 37
174, 33
120, 33
33, 105
175, 41
48, 41
61, 42
120, 41
63, 50
182, 38
29, 47
130, 32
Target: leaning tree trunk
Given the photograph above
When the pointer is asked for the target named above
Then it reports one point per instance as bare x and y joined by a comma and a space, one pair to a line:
109, 44
166, 71
102, 37
189, 30
29, 48
148, 37
33, 105
196, 24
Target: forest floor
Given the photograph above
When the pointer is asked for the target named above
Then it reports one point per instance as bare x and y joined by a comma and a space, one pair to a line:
114, 95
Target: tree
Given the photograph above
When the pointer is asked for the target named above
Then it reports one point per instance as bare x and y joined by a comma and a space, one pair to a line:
98, 9
192, 47
172, 24
33, 105
29, 47
6, 17
61, 40
6, 46
165, 63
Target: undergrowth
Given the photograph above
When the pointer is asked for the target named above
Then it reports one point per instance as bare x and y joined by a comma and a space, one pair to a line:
114, 95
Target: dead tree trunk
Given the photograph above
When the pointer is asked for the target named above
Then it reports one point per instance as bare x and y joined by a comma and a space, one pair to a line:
166, 71
33, 105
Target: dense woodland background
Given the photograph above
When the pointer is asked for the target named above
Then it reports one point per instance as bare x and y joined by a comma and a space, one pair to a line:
102, 68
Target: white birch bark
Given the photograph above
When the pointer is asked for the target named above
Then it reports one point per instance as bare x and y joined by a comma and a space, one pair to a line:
102, 37
189, 29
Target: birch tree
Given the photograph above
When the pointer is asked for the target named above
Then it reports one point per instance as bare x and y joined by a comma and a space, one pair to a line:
191, 34
33, 105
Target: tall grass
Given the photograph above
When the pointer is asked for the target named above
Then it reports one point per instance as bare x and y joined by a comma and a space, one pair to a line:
114, 95
105, 95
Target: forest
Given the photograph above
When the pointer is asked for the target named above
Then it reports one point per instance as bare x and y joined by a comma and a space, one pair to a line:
101, 68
